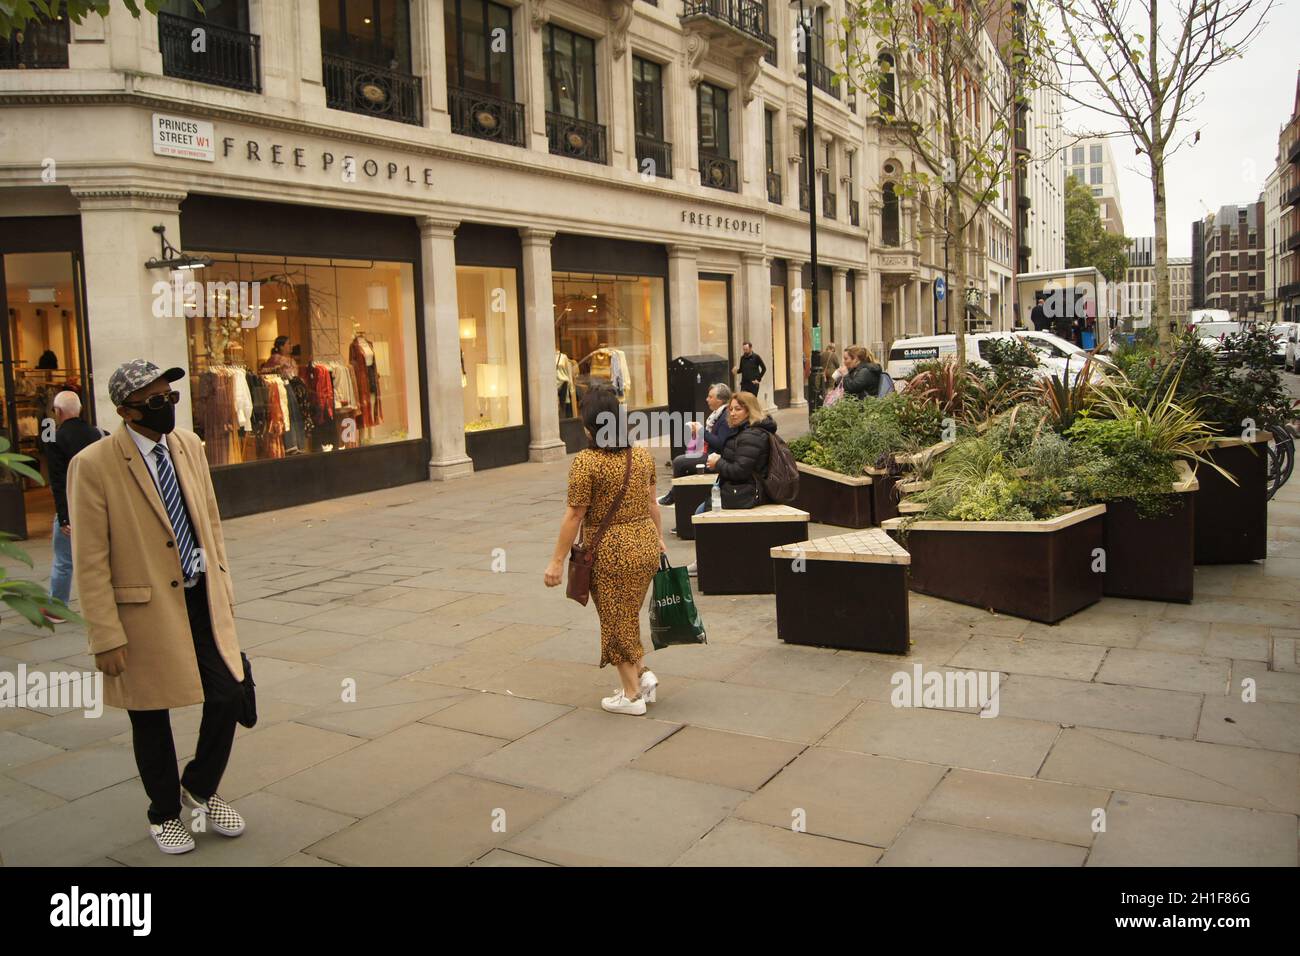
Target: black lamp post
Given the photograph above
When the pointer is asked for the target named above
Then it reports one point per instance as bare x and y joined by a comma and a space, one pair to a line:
815, 360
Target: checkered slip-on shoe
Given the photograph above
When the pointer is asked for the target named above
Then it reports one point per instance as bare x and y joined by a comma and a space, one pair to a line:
171, 836
222, 817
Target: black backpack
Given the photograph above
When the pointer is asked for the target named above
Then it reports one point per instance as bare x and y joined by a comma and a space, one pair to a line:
781, 483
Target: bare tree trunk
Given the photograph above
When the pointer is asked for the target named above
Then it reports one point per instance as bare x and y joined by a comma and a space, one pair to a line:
1162, 309
958, 291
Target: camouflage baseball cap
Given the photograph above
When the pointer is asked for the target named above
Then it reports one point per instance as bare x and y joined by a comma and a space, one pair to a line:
137, 373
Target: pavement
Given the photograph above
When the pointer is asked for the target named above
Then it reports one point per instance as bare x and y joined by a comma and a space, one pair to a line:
425, 700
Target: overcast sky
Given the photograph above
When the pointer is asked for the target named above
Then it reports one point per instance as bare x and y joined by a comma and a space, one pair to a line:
1245, 103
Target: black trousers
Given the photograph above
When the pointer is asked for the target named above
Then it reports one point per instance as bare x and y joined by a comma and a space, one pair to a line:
151, 730
751, 387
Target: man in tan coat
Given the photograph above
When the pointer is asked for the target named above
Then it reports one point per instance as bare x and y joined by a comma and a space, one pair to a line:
151, 568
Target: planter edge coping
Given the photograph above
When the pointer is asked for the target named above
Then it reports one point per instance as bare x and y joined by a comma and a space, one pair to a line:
1261, 436
920, 456
1187, 480
708, 479
1050, 524
907, 487
910, 507
879, 547
759, 515
833, 475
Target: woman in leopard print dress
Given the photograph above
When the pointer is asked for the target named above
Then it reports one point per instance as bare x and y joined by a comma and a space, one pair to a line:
628, 554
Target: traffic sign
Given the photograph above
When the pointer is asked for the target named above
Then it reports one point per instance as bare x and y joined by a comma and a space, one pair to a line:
940, 289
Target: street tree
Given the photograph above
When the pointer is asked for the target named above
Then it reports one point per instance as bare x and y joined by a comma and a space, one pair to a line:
954, 109
1141, 63
1087, 241
16, 14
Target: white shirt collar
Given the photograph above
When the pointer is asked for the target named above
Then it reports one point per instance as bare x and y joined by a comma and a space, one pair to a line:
146, 445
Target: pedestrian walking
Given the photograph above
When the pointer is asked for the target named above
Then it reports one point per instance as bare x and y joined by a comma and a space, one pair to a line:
862, 380
1038, 316
150, 565
71, 435
715, 432
751, 369
611, 479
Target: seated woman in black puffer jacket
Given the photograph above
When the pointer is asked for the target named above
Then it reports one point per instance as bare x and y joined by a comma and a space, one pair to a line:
742, 462
863, 377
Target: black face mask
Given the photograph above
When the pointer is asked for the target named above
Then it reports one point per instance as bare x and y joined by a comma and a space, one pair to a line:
161, 420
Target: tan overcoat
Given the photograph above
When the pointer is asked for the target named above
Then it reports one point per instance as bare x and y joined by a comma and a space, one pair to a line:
128, 571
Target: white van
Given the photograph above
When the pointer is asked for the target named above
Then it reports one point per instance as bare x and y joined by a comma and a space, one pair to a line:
1055, 354
1200, 316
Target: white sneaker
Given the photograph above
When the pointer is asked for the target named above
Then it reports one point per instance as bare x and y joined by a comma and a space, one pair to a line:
222, 817
171, 836
649, 686
619, 704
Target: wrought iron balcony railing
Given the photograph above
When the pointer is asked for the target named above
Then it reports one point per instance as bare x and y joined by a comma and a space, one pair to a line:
1291, 197
747, 16
655, 156
360, 87
577, 139
486, 117
774, 191
229, 57
719, 172
38, 45
823, 78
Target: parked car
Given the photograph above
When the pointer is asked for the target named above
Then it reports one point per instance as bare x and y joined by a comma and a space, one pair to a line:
1055, 354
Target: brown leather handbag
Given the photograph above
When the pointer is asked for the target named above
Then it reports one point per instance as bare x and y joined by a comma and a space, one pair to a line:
583, 556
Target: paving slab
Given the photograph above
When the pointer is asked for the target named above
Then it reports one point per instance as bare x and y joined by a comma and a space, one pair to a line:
1167, 670
807, 670
392, 657
735, 761
1268, 685
1239, 641
500, 857
1187, 769
1041, 658
571, 753
472, 816
925, 843
266, 755
1003, 744
1270, 725
18, 749
497, 715
513, 639
368, 778
564, 682
1144, 830
1037, 809
75, 773
758, 711
18, 801
630, 818
78, 832
1142, 709
828, 789
741, 843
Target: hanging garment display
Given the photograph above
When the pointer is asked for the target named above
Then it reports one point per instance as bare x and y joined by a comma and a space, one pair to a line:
361, 356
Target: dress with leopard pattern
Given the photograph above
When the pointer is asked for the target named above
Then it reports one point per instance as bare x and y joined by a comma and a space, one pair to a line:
628, 555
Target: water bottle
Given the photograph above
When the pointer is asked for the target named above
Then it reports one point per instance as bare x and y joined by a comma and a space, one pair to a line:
715, 498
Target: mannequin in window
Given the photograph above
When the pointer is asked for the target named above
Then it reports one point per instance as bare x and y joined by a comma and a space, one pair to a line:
361, 356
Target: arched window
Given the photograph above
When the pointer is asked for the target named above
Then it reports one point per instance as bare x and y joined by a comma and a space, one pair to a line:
889, 216
886, 63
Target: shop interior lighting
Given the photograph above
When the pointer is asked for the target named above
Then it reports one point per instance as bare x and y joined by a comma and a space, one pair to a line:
172, 258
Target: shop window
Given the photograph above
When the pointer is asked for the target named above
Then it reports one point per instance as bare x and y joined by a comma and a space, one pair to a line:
330, 364
886, 63
889, 216
489, 347
715, 317
610, 330
780, 362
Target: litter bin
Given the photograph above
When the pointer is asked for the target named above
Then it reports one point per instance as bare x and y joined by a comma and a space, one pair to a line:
689, 380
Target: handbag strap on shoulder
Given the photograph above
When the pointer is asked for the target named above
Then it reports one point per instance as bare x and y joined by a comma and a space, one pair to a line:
618, 500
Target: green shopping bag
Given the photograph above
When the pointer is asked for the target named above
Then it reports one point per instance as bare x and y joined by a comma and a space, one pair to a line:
674, 619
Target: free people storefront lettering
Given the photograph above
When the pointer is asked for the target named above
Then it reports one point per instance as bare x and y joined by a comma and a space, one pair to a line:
347, 167
721, 223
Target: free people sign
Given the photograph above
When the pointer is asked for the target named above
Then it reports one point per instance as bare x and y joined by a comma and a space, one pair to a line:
185, 138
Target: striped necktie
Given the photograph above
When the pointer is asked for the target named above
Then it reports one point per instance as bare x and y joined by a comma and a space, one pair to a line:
175, 505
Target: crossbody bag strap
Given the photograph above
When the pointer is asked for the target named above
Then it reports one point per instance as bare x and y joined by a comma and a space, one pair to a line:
609, 515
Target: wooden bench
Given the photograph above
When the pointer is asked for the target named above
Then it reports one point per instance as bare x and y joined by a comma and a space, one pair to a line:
689, 492
848, 591
733, 548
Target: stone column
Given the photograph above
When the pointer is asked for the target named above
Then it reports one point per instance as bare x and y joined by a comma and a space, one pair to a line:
442, 351
130, 309
794, 330
861, 301
534, 74
756, 323
840, 307
875, 324
544, 442
684, 299
430, 62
